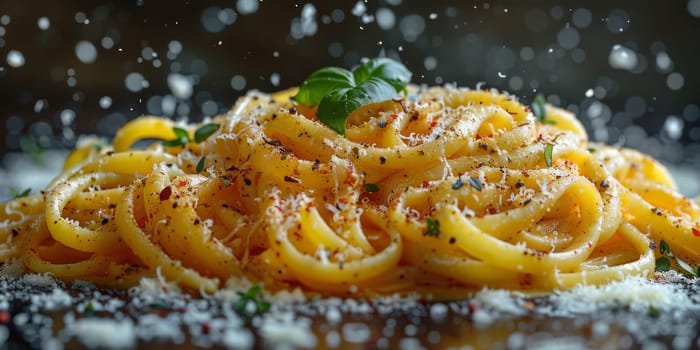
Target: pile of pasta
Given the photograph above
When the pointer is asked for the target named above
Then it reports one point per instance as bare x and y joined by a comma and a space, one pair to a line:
440, 192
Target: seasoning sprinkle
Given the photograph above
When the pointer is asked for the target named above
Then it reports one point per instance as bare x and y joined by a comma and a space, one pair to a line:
475, 183
432, 227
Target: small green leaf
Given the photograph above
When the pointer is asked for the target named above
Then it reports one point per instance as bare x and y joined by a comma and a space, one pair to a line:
173, 142
664, 249
262, 305
181, 133
371, 188
31, 145
654, 312
591, 150
475, 183
181, 138
548, 148
538, 108
16, 194
663, 264
432, 227
549, 122
200, 165
205, 131
321, 83
252, 295
458, 184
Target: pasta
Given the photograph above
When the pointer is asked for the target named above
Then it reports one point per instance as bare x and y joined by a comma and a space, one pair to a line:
440, 193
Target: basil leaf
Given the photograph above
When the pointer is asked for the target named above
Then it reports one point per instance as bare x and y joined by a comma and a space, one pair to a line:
386, 69
321, 83
205, 131
337, 105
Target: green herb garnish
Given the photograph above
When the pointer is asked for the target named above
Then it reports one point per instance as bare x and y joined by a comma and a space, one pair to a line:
548, 148
475, 183
654, 312
540, 111
16, 194
252, 295
205, 131
338, 92
432, 227
538, 108
371, 188
200, 164
663, 264
182, 137
31, 145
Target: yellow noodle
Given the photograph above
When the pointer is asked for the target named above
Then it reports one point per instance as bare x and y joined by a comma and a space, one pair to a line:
439, 193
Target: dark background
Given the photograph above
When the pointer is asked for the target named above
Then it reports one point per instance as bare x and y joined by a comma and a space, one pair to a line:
525, 47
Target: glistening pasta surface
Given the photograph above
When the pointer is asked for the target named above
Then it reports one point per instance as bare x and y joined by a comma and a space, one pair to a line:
438, 193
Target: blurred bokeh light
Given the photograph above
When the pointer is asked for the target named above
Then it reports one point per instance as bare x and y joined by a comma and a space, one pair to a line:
628, 69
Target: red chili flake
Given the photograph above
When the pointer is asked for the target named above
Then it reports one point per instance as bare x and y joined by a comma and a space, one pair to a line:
141, 222
206, 327
478, 137
394, 116
182, 183
165, 193
433, 124
425, 184
696, 231
474, 307
291, 179
4, 317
